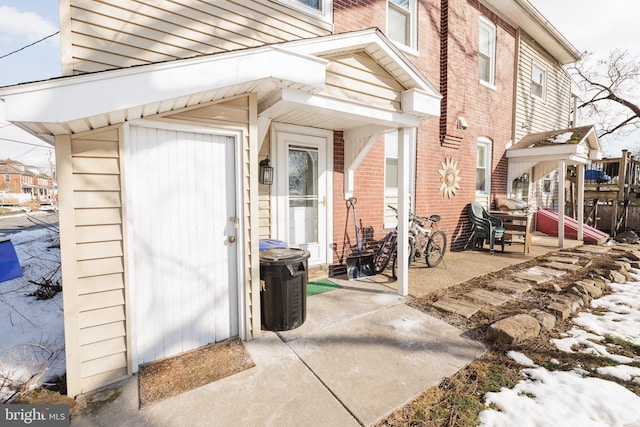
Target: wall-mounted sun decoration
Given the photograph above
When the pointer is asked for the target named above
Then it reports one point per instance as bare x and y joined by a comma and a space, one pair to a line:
449, 178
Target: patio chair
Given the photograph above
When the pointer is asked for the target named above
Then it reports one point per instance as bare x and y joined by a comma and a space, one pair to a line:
485, 227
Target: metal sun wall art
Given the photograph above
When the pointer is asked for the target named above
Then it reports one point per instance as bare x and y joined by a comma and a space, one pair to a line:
449, 177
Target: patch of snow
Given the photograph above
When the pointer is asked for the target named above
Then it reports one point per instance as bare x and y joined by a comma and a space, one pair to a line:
561, 138
622, 372
521, 358
31, 337
562, 399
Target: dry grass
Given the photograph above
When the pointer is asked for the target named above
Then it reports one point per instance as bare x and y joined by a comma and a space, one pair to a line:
458, 399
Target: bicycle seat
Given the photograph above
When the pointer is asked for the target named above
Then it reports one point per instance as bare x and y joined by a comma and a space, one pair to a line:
434, 218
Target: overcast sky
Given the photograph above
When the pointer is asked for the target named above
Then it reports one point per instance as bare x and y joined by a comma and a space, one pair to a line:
590, 25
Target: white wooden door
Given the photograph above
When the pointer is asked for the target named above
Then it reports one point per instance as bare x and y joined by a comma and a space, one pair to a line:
302, 193
181, 208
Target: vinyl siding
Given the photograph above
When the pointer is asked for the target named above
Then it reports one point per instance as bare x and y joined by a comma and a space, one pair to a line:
359, 78
552, 113
94, 285
122, 33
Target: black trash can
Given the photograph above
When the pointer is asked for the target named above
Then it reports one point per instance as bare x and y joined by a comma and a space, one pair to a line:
283, 273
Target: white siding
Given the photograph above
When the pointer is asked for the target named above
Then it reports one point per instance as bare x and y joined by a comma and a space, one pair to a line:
121, 33
532, 114
93, 273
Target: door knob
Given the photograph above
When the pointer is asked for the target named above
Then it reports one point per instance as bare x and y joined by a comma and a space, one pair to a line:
231, 239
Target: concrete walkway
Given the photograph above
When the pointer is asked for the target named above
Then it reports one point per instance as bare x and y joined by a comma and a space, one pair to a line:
361, 353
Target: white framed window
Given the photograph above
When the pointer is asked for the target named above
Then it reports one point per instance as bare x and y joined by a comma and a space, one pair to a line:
7, 177
391, 166
321, 8
402, 22
483, 166
538, 81
487, 52
547, 185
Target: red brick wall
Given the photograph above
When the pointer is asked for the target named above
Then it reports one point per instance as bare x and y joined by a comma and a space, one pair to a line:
448, 45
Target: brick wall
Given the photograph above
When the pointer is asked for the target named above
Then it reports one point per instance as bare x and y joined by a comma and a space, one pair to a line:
448, 44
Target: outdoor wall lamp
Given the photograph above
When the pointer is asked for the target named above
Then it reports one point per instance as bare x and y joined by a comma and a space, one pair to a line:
266, 172
461, 124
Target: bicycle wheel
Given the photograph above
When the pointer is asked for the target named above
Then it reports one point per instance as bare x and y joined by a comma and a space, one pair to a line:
381, 260
394, 265
435, 248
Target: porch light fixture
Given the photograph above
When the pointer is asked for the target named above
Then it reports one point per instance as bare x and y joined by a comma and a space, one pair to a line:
462, 123
266, 172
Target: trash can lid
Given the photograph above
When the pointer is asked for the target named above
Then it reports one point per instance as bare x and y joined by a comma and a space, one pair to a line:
276, 255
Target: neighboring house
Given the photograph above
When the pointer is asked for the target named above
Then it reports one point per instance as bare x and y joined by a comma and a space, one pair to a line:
167, 110
18, 178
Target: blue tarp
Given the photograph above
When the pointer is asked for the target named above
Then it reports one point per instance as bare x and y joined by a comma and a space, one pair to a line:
272, 244
9, 263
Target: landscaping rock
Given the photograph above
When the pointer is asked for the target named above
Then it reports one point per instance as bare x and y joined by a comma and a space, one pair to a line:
617, 277
510, 286
562, 266
572, 301
561, 311
483, 296
546, 320
580, 291
514, 330
621, 266
590, 288
627, 237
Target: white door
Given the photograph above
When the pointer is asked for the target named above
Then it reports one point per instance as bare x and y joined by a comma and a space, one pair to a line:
302, 192
181, 211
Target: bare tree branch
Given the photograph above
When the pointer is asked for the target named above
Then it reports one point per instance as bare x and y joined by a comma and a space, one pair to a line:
610, 91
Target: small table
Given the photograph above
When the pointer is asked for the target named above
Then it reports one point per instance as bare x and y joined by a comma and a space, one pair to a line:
516, 223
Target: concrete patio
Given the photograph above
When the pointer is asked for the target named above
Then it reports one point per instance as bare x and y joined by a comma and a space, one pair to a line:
361, 353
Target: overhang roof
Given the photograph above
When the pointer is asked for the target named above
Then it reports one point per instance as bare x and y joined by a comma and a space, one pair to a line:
578, 145
290, 75
522, 14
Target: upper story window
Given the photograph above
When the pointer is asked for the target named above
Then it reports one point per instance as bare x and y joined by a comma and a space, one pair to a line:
483, 165
320, 8
538, 81
487, 51
401, 22
7, 177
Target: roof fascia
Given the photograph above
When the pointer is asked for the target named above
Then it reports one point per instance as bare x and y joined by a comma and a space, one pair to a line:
361, 40
55, 101
522, 14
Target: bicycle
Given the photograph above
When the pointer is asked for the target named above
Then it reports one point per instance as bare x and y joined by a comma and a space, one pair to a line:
423, 241
428, 241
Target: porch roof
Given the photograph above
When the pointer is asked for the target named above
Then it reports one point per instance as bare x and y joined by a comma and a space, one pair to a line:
288, 79
543, 150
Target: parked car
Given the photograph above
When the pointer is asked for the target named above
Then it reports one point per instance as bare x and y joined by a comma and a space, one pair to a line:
48, 207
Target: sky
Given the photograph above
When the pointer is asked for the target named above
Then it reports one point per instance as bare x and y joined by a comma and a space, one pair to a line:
587, 24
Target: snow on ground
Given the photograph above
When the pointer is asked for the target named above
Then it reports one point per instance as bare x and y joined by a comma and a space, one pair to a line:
31, 332
575, 398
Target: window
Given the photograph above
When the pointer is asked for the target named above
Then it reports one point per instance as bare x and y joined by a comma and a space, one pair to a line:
483, 166
401, 17
390, 177
391, 166
7, 177
538, 81
312, 7
546, 184
487, 51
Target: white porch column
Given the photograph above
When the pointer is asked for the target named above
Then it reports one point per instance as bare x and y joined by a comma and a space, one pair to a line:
562, 172
404, 147
580, 202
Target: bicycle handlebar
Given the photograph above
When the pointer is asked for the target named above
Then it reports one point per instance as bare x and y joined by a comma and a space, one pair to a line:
432, 218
